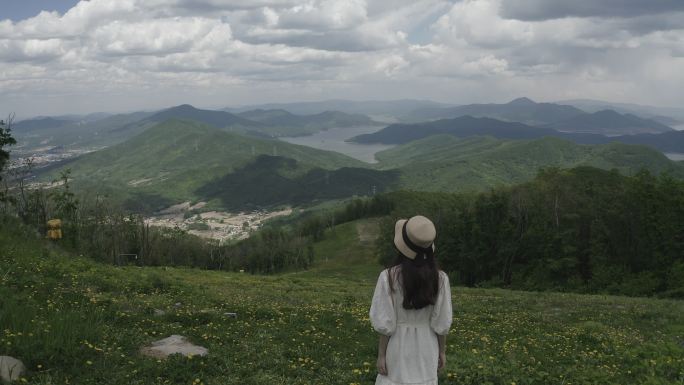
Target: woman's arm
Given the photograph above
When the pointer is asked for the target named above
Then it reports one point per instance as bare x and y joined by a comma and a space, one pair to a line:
382, 349
441, 340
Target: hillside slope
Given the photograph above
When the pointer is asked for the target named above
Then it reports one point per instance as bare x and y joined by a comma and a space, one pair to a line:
218, 119
271, 180
447, 163
176, 158
72, 320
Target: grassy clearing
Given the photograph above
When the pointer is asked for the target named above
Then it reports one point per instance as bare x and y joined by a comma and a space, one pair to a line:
75, 321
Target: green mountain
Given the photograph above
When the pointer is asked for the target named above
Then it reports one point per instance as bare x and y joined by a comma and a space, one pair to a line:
177, 161
275, 180
447, 163
109, 130
465, 126
174, 160
462, 126
218, 119
284, 123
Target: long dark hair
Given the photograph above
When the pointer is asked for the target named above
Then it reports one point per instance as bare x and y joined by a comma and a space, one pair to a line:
419, 279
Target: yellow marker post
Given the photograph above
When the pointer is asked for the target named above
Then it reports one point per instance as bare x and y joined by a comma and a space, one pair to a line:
54, 231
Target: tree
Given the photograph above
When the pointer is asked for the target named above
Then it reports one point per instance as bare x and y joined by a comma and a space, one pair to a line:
6, 140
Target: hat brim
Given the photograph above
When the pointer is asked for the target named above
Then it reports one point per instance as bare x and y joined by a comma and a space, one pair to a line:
399, 241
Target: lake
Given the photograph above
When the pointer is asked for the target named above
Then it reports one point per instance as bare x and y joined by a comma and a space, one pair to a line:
334, 140
674, 156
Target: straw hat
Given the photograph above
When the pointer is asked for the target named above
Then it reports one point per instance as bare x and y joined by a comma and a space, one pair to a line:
414, 236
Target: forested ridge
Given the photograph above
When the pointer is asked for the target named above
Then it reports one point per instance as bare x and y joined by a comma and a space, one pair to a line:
582, 229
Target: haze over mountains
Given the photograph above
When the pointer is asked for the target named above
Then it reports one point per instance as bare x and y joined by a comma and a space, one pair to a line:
376, 108
556, 116
521, 110
665, 115
285, 123
110, 130
234, 159
609, 122
97, 130
582, 126
181, 160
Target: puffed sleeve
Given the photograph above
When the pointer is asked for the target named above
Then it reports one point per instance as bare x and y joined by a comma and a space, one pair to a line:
441, 317
382, 314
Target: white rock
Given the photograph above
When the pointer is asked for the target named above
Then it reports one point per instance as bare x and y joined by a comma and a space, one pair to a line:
159, 312
172, 345
10, 368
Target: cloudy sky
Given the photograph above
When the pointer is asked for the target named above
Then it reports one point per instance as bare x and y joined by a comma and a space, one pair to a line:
66, 56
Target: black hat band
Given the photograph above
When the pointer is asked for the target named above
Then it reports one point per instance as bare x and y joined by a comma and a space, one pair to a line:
424, 251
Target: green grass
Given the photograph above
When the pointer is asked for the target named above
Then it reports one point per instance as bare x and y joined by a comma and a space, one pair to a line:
342, 255
72, 320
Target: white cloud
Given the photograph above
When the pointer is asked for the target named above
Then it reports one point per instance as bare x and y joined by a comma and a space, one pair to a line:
324, 14
391, 65
133, 54
30, 50
162, 36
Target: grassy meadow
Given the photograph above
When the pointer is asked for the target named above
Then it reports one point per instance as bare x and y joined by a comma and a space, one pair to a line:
75, 321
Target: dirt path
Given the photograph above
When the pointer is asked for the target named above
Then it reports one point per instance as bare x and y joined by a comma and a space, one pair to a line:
367, 231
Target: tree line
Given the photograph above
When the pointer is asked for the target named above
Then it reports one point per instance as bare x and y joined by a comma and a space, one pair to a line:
582, 230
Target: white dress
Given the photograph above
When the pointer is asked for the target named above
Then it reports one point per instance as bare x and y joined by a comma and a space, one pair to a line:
413, 350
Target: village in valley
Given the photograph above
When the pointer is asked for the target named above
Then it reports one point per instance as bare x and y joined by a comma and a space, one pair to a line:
219, 225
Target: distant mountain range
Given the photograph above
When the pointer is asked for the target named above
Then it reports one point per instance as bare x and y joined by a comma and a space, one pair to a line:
115, 129
295, 119
551, 115
521, 110
218, 119
389, 109
609, 122
38, 124
51, 132
665, 115
465, 126
462, 126
285, 123
180, 160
